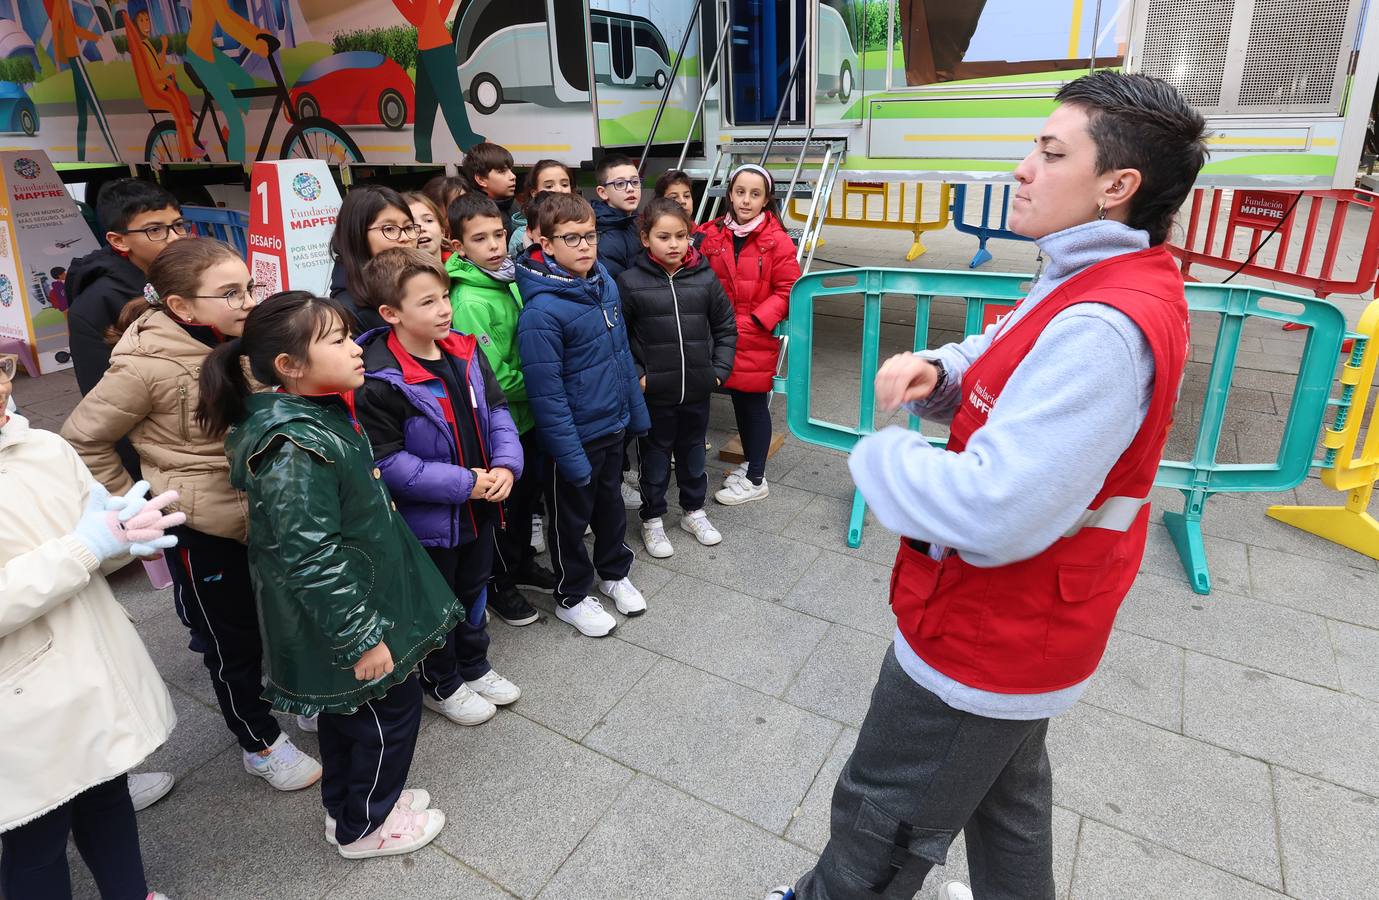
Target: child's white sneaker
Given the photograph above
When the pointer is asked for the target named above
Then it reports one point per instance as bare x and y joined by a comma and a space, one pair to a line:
538, 535
588, 617
697, 523
414, 799
954, 890
403, 832
495, 688
307, 724
628, 599
464, 707
655, 540
631, 496
284, 766
147, 788
737, 490
739, 471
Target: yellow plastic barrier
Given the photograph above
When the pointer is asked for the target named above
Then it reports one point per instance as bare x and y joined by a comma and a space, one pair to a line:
901, 209
1350, 525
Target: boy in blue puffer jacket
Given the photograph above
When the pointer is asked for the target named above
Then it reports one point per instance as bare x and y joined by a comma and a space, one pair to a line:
585, 397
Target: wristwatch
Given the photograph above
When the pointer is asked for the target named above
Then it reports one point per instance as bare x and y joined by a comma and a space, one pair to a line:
942, 375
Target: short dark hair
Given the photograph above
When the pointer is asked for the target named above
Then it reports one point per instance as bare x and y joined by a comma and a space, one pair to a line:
387, 274
350, 242
443, 189
669, 178
611, 162
484, 158
121, 200
561, 208
544, 164
57, 271
532, 210
663, 206
470, 206
1140, 122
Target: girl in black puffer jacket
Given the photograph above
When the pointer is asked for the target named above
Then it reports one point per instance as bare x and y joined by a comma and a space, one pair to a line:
683, 334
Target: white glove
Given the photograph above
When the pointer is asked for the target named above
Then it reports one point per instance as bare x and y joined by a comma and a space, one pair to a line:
113, 526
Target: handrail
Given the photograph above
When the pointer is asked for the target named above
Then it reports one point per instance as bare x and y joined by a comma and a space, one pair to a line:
670, 83
704, 92
784, 101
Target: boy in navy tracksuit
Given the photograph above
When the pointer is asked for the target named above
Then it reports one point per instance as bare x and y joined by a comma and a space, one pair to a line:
449, 453
582, 386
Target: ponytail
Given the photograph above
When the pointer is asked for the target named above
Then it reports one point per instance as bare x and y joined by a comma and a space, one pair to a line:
129, 314
223, 388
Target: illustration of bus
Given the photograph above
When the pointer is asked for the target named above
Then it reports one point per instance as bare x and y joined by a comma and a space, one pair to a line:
839, 67
628, 50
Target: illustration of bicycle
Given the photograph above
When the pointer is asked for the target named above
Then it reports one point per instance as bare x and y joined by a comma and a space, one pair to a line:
310, 137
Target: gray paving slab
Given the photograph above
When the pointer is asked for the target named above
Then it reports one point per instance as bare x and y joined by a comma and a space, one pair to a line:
740, 750
60, 385
837, 679
1335, 590
1330, 838
766, 566
1266, 635
824, 523
1140, 678
137, 595
427, 873
518, 798
756, 643
1357, 658
166, 639
568, 681
1114, 865
200, 736
769, 516
1245, 520
1312, 730
656, 841
822, 472
1204, 802
1229, 565
848, 590
810, 823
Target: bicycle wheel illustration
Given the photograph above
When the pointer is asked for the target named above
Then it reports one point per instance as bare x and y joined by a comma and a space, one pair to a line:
320, 138
161, 148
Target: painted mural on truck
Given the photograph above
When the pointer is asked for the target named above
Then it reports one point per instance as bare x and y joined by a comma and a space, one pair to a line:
380, 81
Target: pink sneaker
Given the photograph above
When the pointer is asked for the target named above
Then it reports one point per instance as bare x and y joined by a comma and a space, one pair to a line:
403, 832
412, 800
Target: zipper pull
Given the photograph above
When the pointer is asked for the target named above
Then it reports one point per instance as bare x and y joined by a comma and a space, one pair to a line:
1040, 269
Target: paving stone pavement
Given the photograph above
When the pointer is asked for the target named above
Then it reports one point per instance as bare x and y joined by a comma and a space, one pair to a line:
1226, 747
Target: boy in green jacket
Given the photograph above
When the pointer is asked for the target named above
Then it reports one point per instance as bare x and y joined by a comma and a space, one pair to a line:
485, 300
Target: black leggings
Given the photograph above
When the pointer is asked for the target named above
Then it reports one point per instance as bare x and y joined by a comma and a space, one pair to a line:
753, 412
100, 819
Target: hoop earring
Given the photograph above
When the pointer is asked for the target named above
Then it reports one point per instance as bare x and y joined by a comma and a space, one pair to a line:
1101, 210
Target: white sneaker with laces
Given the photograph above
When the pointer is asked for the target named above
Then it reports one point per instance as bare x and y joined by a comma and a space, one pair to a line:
147, 788
954, 890
402, 832
538, 535
697, 523
740, 490
412, 799
655, 540
588, 617
631, 497
495, 688
627, 598
464, 707
307, 724
284, 766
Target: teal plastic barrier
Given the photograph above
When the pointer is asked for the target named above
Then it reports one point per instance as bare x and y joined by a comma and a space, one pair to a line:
1197, 477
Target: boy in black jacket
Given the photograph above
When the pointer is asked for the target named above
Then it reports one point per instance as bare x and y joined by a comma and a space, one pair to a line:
683, 334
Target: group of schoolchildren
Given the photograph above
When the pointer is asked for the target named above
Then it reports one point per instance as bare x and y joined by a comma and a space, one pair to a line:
346, 484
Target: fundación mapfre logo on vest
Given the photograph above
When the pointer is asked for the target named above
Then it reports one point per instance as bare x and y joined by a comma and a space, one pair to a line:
27, 168
981, 399
306, 186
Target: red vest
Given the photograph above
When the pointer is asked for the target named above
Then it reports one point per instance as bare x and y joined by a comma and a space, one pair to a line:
1042, 624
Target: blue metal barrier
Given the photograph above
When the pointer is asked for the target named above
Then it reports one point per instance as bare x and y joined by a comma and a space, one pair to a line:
984, 230
226, 224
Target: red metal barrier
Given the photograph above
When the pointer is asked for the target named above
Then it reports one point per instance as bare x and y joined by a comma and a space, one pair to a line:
1301, 218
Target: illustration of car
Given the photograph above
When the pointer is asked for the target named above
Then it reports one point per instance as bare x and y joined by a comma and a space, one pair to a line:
356, 88
17, 111
838, 61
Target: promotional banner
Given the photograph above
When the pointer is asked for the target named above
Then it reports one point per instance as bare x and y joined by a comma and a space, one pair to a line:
293, 205
43, 231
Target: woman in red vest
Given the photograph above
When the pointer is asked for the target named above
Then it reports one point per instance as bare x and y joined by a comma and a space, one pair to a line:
1022, 537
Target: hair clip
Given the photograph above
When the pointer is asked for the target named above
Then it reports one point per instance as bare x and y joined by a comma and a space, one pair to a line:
151, 295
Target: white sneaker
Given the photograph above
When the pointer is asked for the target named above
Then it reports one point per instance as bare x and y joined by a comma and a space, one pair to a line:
654, 537
588, 617
631, 497
307, 724
464, 707
154, 895
697, 523
412, 799
403, 832
954, 890
740, 471
740, 490
147, 788
285, 767
538, 535
495, 688
628, 599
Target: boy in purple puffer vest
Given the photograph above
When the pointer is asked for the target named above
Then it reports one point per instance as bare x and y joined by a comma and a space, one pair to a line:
449, 453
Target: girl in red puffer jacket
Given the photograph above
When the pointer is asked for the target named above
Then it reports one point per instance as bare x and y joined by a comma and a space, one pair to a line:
755, 259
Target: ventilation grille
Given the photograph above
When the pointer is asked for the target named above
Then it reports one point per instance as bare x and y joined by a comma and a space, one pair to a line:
1293, 53
1185, 45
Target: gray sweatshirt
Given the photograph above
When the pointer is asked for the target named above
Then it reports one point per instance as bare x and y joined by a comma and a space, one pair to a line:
1065, 416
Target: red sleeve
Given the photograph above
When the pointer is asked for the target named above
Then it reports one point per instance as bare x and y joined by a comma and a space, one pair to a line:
785, 271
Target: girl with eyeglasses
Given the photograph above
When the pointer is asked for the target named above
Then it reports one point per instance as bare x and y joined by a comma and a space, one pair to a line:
372, 219
199, 295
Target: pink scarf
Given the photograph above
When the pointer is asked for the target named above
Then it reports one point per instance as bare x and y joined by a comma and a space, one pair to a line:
742, 229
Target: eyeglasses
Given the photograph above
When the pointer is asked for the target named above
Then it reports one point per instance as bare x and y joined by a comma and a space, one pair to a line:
623, 184
573, 240
397, 232
8, 366
237, 297
159, 233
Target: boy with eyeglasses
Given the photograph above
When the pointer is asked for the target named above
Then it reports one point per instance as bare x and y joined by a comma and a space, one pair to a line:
585, 398
620, 192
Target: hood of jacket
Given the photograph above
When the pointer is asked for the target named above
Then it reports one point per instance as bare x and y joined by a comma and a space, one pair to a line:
270, 412
105, 264
607, 218
535, 274
466, 274
694, 260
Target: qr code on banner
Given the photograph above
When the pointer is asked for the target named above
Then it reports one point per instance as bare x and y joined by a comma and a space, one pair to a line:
267, 274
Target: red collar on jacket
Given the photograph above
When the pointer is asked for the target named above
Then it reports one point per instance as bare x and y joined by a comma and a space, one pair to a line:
460, 346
